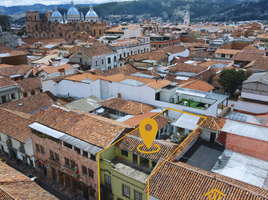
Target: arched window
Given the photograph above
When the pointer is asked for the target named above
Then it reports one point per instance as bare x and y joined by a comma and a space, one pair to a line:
124, 54
102, 61
114, 58
100, 32
109, 60
69, 36
87, 28
36, 27
94, 32
138, 51
29, 28
96, 63
52, 35
34, 18
44, 35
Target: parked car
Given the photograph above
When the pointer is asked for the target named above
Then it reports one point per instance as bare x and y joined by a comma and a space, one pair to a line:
33, 178
4, 161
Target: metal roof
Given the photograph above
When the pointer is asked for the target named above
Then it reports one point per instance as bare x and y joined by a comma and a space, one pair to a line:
246, 130
92, 149
258, 77
246, 118
132, 82
190, 74
87, 104
86, 81
138, 74
46, 130
186, 121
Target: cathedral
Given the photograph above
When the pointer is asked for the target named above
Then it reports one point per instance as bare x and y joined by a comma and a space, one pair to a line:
70, 26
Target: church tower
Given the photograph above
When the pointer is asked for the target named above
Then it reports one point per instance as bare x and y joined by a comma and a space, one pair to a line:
186, 18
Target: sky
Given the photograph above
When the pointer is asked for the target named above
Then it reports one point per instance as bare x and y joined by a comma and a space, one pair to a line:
9, 3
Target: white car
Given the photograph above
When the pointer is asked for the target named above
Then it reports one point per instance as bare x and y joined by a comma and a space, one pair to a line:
33, 178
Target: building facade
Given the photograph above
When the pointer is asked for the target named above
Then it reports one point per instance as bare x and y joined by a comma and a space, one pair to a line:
162, 41
71, 26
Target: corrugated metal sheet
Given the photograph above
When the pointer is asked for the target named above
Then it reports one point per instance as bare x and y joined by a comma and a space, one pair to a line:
186, 121
46, 130
92, 149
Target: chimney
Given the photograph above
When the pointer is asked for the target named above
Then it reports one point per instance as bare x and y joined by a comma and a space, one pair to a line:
119, 95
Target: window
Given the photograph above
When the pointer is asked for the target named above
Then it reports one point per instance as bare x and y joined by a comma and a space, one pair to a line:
37, 147
159, 46
84, 170
42, 150
78, 151
144, 162
85, 154
153, 164
67, 145
96, 63
90, 173
91, 192
25, 94
81, 60
125, 191
100, 32
92, 157
124, 153
72, 164
102, 61
135, 158
57, 157
107, 179
32, 92
67, 162
12, 96
109, 60
4, 99
137, 195
51, 155
223, 55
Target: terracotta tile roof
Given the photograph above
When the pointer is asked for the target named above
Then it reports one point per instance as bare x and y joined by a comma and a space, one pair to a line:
15, 126
130, 143
90, 128
174, 49
179, 59
161, 122
181, 67
127, 106
202, 54
95, 49
213, 62
261, 63
126, 69
182, 181
151, 55
81, 77
51, 69
212, 122
251, 49
5, 82
159, 84
246, 57
227, 51
15, 69
197, 85
19, 113
29, 83
264, 36
45, 41
15, 185
119, 28
4, 48
135, 120
215, 81
33, 103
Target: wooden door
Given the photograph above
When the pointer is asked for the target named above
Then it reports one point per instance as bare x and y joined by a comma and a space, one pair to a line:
67, 181
61, 177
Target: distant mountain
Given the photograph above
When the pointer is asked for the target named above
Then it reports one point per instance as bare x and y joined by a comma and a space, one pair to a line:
36, 7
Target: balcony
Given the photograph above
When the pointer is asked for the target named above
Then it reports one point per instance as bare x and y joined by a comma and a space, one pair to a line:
21, 149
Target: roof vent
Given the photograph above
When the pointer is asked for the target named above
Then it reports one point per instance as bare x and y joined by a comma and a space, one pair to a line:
20, 104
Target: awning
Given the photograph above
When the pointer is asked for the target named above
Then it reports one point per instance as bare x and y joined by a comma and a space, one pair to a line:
46, 130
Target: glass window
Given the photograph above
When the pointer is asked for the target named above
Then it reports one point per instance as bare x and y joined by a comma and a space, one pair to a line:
93, 157
90, 173
67, 145
124, 153
57, 157
125, 191
144, 162
85, 154
84, 170
25, 94
91, 192
137, 195
72, 164
67, 162
77, 150
37, 147
109, 60
51, 154
32, 92
42, 150
107, 181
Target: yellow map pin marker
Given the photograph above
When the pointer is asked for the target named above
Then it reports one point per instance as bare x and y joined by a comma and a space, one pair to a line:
148, 136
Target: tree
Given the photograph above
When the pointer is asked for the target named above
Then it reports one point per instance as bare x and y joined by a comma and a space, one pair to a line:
231, 79
5, 22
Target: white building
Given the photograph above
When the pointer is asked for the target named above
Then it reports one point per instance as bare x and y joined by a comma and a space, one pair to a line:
186, 20
137, 87
98, 56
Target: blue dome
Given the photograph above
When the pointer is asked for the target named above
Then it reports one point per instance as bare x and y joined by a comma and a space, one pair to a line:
91, 13
73, 11
56, 14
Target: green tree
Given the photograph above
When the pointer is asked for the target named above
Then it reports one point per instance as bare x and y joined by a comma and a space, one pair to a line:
231, 79
5, 22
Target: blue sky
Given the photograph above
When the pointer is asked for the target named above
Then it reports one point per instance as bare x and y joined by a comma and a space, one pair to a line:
9, 3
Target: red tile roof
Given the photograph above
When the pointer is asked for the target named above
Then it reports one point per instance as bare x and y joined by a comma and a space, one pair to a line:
90, 128
29, 83
151, 55
4, 48
135, 120
5, 82
197, 85
174, 49
182, 181
15, 69
212, 122
15, 185
261, 63
127, 106
95, 49
181, 67
33, 103
246, 57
